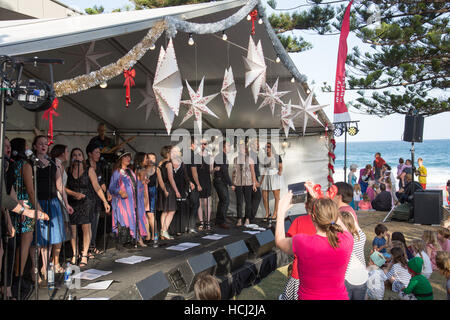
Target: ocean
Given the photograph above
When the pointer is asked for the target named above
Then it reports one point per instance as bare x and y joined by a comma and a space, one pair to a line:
435, 155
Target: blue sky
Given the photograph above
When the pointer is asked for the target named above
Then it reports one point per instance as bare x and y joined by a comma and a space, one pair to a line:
319, 65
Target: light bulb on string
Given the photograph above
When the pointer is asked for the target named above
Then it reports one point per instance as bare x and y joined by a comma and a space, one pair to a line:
293, 80
277, 60
152, 47
260, 21
249, 17
191, 40
103, 85
224, 36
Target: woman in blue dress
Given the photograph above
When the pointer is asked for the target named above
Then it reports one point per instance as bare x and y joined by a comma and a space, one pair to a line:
50, 234
122, 189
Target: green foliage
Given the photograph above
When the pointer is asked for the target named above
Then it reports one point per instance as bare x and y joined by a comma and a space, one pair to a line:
149, 4
95, 10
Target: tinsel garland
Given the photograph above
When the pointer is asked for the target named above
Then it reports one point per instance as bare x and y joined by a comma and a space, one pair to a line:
111, 70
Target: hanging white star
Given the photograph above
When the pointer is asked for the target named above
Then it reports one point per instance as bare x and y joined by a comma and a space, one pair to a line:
272, 96
88, 57
287, 118
256, 68
308, 109
228, 90
197, 104
149, 98
167, 85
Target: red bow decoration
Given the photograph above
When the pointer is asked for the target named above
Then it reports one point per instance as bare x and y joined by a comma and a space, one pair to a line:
333, 142
48, 115
315, 190
331, 167
330, 179
129, 82
332, 155
254, 16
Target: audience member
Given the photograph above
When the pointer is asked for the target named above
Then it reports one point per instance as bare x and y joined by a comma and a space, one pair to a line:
207, 288
443, 265
377, 165
365, 175
397, 270
398, 236
433, 246
421, 172
376, 276
365, 204
419, 248
356, 196
419, 288
382, 239
443, 237
383, 201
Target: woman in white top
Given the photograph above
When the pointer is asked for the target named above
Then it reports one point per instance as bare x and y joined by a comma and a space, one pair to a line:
419, 248
356, 275
271, 169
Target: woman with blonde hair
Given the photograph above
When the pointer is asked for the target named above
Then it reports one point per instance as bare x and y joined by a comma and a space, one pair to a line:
419, 248
443, 264
322, 257
433, 246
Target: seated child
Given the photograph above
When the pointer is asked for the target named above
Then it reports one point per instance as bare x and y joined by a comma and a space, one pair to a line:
375, 283
398, 236
356, 196
419, 288
207, 288
366, 203
418, 246
397, 270
380, 243
433, 246
370, 191
443, 264
443, 237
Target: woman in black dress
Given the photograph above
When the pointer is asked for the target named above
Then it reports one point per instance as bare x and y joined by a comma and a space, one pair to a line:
150, 171
167, 193
204, 176
82, 199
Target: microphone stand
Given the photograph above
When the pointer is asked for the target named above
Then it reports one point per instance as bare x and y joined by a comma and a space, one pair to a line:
36, 223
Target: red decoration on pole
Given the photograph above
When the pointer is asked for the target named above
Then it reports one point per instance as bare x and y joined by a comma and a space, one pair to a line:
330, 179
340, 109
332, 155
129, 82
254, 16
331, 167
48, 115
333, 142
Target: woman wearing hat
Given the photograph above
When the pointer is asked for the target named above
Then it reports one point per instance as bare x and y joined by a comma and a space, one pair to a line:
122, 188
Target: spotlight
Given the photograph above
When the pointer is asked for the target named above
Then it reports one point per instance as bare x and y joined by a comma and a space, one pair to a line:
293, 80
277, 60
152, 47
338, 131
34, 95
224, 36
103, 85
249, 18
260, 21
353, 131
191, 40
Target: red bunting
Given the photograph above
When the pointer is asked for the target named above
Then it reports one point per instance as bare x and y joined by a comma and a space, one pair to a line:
254, 16
129, 82
48, 115
333, 142
330, 179
332, 155
331, 167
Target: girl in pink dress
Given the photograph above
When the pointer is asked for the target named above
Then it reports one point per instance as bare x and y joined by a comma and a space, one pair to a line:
433, 246
322, 257
443, 237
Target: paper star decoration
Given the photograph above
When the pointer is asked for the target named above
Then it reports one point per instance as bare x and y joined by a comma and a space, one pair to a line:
197, 104
88, 57
272, 96
256, 68
287, 118
308, 109
167, 85
149, 98
228, 90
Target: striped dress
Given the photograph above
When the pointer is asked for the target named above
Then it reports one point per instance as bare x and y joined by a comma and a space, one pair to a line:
356, 271
401, 276
123, 210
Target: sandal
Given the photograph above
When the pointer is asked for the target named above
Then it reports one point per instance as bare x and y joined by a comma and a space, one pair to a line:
59, 269
74, 260
208, 226
83, 264
96, 251
200, 227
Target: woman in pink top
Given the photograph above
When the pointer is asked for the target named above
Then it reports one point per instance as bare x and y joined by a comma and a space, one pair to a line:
323, 257
443, 237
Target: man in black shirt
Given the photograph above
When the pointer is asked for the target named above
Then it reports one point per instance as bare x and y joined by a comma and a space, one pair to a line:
383, 201
101, 140
194, 195
221, 182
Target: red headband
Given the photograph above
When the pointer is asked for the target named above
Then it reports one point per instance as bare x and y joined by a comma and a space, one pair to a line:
315, 190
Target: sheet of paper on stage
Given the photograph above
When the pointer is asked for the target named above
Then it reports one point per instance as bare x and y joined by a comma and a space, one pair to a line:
177, 248
101, 285
132, 259
252, 232
189, 244
91, 274
221, 235
212, 237
94, 298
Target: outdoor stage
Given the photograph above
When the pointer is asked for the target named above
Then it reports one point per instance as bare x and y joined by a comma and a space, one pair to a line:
125, 276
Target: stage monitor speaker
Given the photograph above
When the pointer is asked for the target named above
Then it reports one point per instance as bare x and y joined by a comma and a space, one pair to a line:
413, 129
183, 277
287, 224
154, 287
230, 257
260, 244
428, 207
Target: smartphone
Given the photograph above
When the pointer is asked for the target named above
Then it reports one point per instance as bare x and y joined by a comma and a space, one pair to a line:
298, 192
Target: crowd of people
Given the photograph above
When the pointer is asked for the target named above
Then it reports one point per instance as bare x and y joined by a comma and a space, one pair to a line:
328, 246
143, 195
379, 188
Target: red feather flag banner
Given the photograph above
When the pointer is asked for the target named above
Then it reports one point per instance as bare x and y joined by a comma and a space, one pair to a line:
48, 115
340, 109
129, 82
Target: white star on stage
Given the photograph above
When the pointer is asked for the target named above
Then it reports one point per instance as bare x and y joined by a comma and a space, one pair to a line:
255, 67
308, 110
149, 98
287, 118
272, 96
197, 104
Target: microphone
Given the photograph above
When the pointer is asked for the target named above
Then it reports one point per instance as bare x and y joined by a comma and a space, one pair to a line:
75, 161
31, 156
46, 157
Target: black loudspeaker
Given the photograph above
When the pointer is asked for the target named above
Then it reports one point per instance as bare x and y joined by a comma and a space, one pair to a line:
183, 277
154, 287
260, 244
428, 207
413, 129
230, 257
